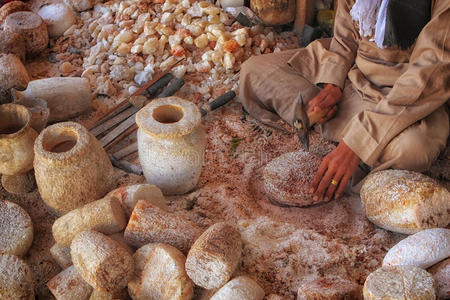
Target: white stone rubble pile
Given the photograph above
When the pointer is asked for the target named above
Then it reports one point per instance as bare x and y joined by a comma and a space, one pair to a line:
126, 42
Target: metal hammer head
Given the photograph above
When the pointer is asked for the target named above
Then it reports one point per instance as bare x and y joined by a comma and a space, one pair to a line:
301, 122
302, 133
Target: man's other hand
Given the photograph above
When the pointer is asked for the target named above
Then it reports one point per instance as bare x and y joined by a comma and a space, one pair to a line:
334, 172
324, 104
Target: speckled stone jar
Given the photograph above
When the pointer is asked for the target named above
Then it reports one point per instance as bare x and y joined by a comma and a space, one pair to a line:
171, 143
71, 167
16, 140
13, 75
31, 27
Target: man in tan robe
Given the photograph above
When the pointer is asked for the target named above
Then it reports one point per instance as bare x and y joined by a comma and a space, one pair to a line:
391, 103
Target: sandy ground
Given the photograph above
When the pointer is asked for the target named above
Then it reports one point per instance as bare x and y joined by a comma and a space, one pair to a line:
284, 248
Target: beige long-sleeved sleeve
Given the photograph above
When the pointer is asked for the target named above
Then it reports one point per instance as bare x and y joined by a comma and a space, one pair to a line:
421, 89
329, 60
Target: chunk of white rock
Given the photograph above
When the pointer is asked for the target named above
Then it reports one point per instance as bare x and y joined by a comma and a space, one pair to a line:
405, 201
441, 275
422, 249
129, 195
140, 257
105, 215
12, 75
19, 184
69, 285
16, 281
101, 261
144, 76
80, 5
61, 255
399, 282
32, 28
214, 256
118, 295
58, 18
164, 276
150, 224
66, 97
12, 43
242, 287
16, 229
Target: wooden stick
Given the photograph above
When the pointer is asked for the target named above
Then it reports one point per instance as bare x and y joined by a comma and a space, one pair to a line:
126, 151
121, 136
111, 113
126, 166
113, 134
96, 131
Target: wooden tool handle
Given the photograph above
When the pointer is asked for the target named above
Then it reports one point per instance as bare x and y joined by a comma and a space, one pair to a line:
218, 102
222, 100
126, 166
172, 88
160, 83
315, 117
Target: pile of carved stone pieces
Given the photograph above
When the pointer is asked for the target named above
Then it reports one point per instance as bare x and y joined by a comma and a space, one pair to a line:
95, 245
96, 251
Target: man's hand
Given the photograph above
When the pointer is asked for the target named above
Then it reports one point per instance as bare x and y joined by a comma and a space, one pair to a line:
324, 104
334, 172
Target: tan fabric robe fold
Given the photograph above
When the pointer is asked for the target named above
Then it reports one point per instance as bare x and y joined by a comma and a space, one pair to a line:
386, 91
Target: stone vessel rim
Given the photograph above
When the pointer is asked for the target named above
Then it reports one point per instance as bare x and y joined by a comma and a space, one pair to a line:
188, 119
54, 131
29, 15
15, 108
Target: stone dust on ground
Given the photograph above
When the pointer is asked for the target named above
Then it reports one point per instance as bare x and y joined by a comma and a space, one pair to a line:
283, 247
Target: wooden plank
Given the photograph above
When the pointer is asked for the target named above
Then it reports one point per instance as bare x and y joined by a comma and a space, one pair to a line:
119, 107
124, 104
113, 111
126, 151
121, 136
113, 134
304, 14
113, 121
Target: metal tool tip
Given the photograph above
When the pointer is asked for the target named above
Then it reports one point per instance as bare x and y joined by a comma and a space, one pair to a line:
304, 139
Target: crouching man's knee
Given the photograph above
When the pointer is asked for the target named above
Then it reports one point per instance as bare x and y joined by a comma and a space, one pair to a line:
418, 146
414, 155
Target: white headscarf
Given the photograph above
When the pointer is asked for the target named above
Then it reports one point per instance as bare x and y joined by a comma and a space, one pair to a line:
371, 16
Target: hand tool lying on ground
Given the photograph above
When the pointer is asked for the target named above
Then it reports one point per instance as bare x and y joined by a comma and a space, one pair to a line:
213, 105
303, 121
218, 102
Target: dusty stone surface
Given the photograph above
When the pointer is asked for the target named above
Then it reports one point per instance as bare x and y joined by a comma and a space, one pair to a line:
287, 178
